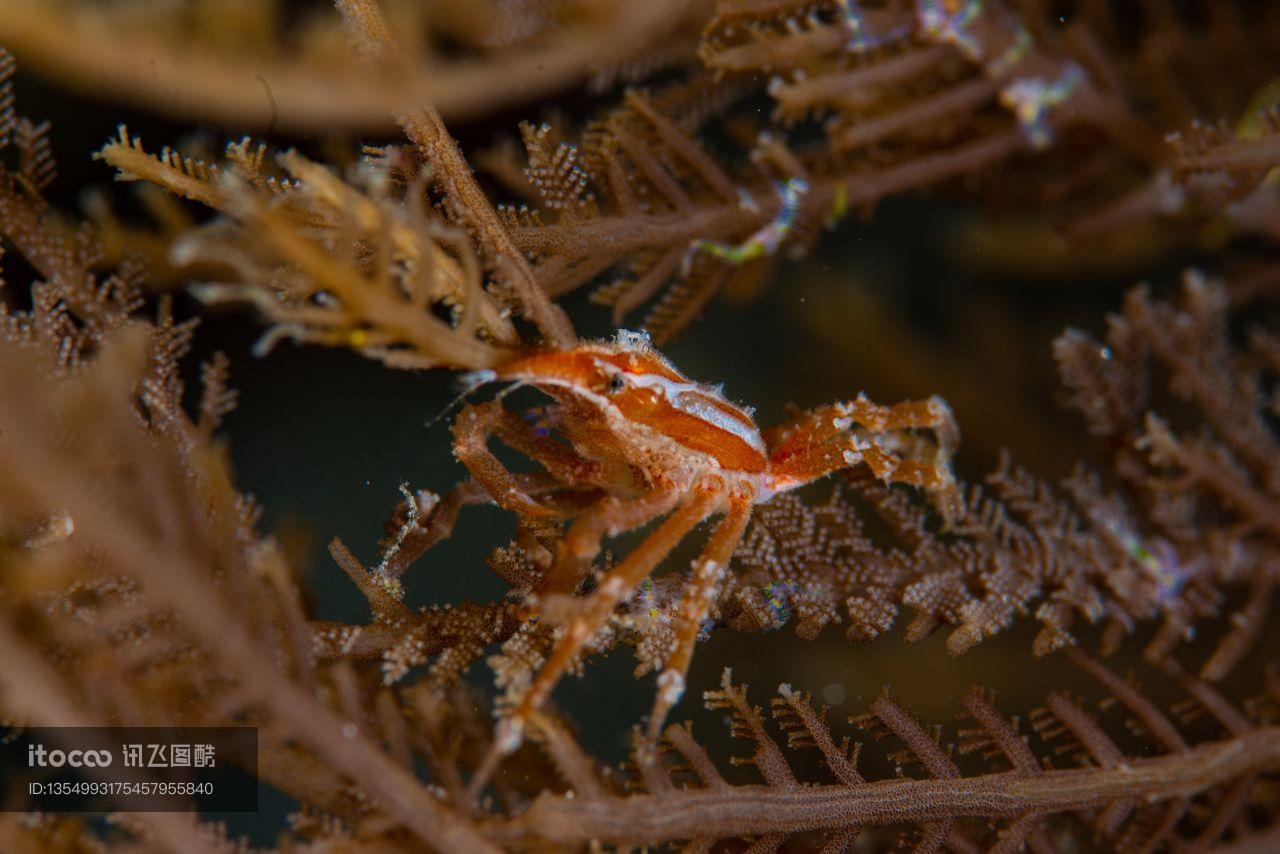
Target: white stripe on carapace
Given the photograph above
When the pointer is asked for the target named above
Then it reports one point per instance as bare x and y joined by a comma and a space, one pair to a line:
696, 400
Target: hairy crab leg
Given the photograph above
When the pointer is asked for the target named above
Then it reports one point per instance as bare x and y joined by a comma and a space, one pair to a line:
581, 544
814, 463
708, 573
934, 476
594, 613
827, 422
933, 413
439, 523
888, 467
560, 460
821, 442
620, 581
471, 431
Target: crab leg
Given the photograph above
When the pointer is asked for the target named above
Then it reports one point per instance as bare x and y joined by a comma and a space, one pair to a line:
439, 523
934, 476
889, 467
593, 614
620, 581
821, 443
471, 432
828, 422
709, 570
933, 413
581, 545
814, 462
561, 461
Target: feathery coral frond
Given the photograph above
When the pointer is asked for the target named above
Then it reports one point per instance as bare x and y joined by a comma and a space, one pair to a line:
1139, 800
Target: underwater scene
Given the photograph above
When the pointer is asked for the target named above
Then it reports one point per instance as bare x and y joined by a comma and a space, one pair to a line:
680, 425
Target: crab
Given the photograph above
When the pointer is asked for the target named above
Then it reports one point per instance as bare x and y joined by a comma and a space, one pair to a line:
634, 440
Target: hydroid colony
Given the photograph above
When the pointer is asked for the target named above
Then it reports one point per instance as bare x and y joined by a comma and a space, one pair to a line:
139, 584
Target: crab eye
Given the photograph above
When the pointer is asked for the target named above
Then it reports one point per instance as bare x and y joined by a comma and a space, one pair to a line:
615, 384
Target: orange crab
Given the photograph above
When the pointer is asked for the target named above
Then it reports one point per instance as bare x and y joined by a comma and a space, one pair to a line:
648, 442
